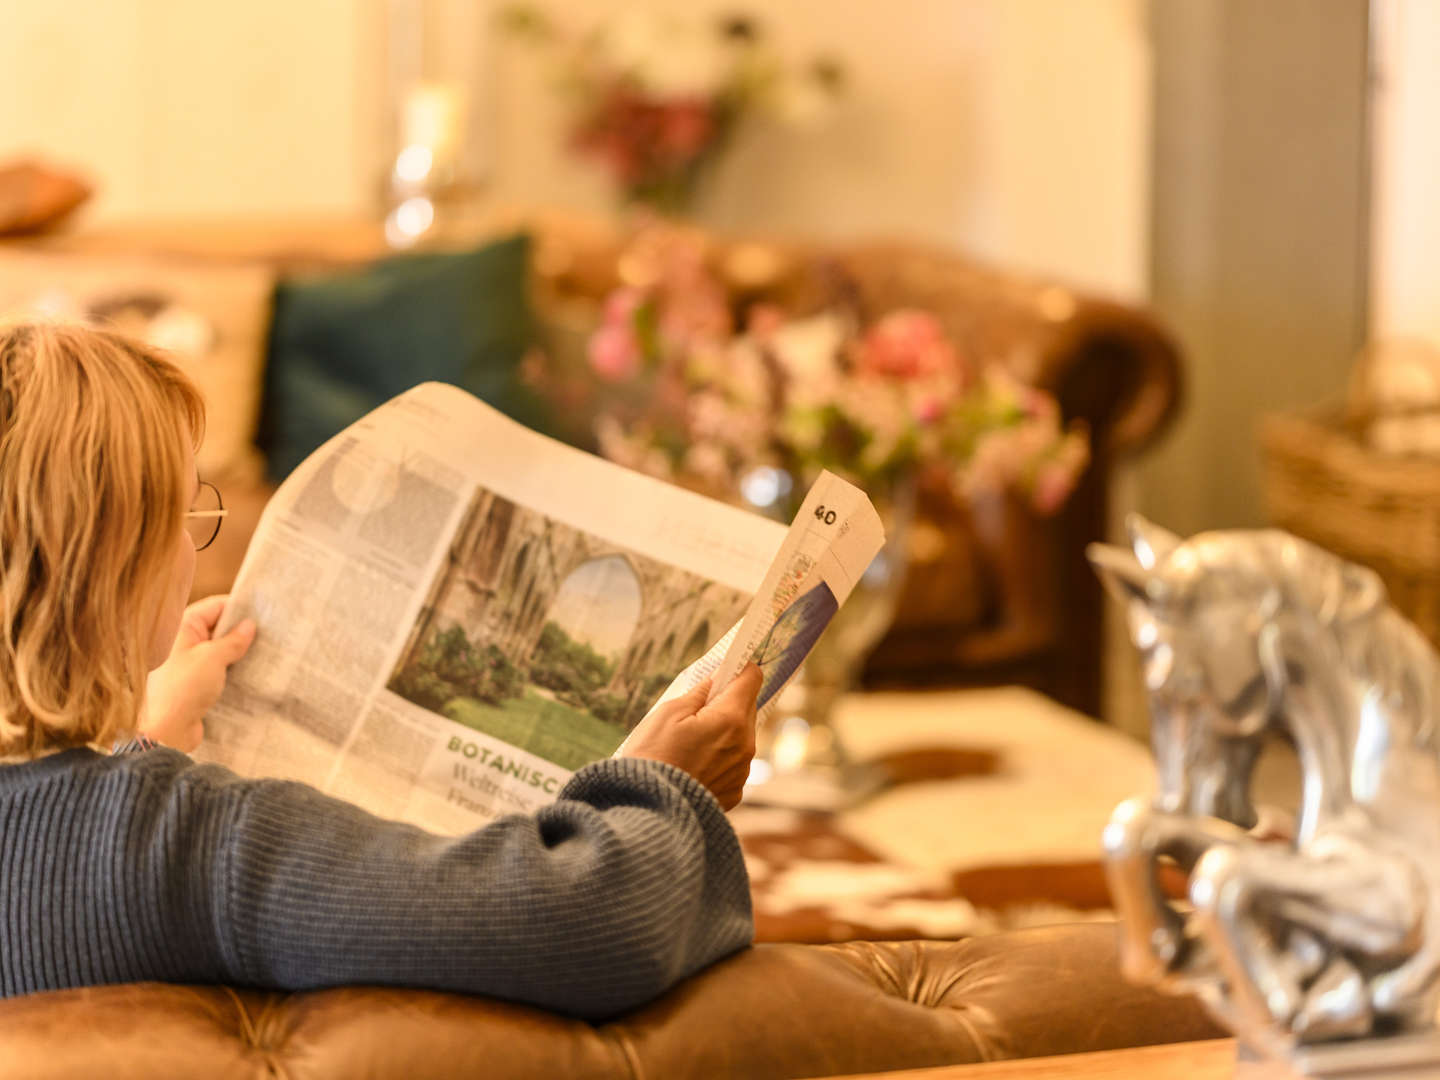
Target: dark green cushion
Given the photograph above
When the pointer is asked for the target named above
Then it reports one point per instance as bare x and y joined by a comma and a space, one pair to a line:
343, 343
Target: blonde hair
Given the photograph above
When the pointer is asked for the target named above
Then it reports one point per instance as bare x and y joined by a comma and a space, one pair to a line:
94, 434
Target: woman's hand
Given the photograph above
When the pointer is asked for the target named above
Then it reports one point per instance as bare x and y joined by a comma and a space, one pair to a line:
713, 743
181, 690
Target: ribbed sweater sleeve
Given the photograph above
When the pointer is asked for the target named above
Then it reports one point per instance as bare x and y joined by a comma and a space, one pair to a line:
597, 903
152, 867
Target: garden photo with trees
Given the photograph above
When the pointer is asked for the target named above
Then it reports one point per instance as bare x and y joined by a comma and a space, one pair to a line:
550, 639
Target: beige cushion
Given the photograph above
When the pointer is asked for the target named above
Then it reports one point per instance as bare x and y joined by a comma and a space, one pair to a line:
212, 319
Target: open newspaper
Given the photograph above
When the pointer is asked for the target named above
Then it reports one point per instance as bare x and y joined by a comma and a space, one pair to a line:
456, 612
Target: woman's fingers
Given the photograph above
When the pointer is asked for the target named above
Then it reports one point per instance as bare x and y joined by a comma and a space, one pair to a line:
713, 743
740, 695
208, 611
198, 623
233, 645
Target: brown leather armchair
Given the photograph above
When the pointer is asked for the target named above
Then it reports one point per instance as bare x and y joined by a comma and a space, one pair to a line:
771, 1011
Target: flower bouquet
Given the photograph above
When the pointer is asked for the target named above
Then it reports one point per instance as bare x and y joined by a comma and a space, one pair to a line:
753, 403
656, 100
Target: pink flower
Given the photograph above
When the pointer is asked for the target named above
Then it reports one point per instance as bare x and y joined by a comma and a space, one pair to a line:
908, 344
614, 353
927, 409
1040, 405
621, 305
686, 128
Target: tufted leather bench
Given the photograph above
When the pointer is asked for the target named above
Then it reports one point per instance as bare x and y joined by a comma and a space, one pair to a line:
772, 1011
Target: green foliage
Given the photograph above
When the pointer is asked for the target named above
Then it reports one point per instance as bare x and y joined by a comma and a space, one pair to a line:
609, 708
570, 668
569, 737
449, 666
424, 688
650, 690
505, 680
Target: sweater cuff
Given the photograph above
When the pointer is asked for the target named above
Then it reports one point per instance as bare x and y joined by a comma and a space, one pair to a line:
599, 782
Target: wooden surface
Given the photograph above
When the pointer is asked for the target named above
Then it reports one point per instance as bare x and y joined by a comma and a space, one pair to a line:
1210, 1060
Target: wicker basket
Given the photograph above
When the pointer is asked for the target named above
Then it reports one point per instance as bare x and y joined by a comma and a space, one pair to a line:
1323, 484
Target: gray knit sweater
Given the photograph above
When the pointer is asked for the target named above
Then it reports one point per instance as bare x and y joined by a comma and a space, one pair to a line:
149, 866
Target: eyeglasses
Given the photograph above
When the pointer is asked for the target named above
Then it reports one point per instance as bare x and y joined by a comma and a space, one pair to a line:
202, 521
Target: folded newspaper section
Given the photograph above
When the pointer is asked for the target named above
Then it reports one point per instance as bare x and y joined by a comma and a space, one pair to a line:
456, 612
834, 537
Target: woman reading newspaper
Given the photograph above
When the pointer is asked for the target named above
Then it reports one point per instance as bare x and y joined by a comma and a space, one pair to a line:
145, 865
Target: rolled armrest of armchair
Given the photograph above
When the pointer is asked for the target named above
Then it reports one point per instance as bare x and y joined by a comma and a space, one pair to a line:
1114, 367
1109, 365
771, 1011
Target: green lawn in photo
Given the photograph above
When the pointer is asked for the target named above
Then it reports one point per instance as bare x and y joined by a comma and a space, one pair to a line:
548, 729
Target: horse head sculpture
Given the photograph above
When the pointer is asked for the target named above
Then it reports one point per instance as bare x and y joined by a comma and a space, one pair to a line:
1244, 637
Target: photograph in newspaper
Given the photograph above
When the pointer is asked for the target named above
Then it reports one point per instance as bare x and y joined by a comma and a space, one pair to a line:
792, 637
835, 535
827, 548
551, 639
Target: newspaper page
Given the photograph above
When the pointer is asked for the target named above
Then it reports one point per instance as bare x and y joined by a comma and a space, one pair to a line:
456, 612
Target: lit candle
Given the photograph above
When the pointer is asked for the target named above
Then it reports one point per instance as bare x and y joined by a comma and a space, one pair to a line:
433, 117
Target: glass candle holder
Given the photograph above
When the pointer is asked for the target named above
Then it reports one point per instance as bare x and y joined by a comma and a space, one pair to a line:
435, 155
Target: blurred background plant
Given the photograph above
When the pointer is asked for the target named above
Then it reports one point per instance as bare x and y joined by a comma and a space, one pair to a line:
684, 381
656, 99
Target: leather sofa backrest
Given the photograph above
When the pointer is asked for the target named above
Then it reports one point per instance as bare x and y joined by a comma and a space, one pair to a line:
771, 1011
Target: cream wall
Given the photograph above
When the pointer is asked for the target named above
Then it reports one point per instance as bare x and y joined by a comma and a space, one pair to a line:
1015, 128
183, 107
1405, 221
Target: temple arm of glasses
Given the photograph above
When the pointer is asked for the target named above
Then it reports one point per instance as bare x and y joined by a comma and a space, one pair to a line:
207, 513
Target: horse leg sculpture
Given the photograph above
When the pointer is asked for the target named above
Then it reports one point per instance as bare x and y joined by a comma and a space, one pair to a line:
1364, 908
1153, 943
1411, 992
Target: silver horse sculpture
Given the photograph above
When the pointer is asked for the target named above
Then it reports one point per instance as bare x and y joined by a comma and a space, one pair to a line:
1247, 636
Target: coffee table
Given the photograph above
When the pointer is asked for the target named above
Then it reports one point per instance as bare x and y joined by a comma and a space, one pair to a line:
996, 823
